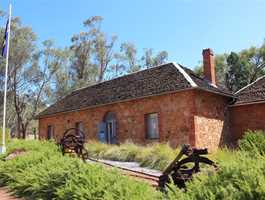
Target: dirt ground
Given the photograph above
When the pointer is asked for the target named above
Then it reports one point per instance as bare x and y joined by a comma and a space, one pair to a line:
5, 195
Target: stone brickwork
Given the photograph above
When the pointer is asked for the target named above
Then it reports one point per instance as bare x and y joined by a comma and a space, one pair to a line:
190, 116
246, 117
211, 127
175, 112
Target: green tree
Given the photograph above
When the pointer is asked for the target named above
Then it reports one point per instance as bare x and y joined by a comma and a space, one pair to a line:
130, 62
236, 70
59, 80
83, 71
28, 75
127, 58
151, 60
237, 73
93, 52
22, 50
254, 59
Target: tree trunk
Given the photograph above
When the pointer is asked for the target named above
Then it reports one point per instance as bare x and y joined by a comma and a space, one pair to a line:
24, 134
24, 130
19, 128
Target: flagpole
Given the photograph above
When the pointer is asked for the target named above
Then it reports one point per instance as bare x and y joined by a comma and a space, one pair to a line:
3, 148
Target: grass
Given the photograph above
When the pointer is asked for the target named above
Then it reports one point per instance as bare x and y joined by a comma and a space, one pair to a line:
156, 156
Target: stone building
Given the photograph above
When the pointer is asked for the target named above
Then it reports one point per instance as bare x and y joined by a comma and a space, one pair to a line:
248, 113
167, 103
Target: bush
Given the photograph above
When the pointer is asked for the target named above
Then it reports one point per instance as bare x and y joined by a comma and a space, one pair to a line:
253, 142
240, 178
43, 173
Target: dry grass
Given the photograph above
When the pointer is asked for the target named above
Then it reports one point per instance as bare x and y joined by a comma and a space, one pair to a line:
155, 156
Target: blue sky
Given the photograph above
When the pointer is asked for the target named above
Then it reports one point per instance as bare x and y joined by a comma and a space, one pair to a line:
181, 27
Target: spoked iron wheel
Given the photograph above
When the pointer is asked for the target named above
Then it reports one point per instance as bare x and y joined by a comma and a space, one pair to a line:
185, 168
73, 142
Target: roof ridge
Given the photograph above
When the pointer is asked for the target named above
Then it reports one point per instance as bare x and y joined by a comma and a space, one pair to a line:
185, 74
245, 87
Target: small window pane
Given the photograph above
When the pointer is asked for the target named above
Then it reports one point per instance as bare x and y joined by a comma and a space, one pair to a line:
152, 126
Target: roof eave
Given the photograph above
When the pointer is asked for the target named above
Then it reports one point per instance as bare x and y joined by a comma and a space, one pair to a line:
248, 103
243, 88
219, 93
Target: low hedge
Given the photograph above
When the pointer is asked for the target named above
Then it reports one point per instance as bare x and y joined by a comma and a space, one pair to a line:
253, 142
239, 178
43, 173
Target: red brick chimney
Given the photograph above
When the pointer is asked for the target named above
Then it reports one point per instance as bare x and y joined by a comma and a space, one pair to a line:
209, 65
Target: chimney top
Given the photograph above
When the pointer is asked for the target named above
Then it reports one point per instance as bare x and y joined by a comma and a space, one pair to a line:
209, 65
208, 51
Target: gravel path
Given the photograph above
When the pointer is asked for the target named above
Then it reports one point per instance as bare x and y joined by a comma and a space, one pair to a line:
134, 166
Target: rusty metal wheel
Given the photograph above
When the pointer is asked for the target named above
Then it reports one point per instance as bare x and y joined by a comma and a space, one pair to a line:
73, 141
185, 168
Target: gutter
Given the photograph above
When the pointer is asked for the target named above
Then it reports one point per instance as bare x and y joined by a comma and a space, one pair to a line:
248, 103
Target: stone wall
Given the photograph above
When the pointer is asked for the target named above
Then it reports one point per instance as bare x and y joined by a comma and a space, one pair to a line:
187, 117
211, 126
175, 112
246, 117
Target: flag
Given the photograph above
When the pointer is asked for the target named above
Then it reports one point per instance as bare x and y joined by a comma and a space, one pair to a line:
5, 42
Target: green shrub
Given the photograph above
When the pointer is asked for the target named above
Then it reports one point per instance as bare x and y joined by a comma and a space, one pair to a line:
240, 178
253, 142
90, 184
43, 173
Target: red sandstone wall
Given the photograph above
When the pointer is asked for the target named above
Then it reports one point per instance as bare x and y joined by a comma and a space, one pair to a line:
246, 117
176, 122
211, 127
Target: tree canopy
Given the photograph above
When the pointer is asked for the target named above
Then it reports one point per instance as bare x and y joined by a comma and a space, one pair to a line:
236, 70
39, 75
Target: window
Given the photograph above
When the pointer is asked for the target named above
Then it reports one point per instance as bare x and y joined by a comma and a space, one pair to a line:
50, 132
151, 121
79, 126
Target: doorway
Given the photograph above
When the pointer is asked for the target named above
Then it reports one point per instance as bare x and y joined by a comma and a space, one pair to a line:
111, 128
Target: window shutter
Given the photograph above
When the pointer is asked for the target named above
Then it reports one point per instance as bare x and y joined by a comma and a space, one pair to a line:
152, 126
102, 132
